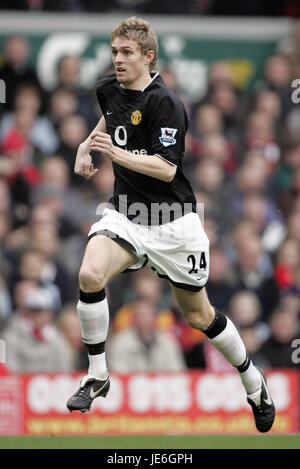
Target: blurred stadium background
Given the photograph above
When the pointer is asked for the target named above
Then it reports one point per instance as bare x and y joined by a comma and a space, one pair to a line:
235, 65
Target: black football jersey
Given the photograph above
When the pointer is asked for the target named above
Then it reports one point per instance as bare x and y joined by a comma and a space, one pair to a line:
152, 121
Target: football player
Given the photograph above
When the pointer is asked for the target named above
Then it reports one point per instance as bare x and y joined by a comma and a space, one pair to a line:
151, 219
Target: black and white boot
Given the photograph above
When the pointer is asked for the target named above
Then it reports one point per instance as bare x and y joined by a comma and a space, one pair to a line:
89, 389
262, 406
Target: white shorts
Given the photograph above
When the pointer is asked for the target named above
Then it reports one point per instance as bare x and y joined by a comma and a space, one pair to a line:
177, 251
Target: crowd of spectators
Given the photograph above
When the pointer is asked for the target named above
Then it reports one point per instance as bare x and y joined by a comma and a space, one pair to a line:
168, 7
243, 159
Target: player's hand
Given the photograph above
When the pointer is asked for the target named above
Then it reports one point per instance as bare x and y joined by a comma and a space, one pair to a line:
102, 142
83, 164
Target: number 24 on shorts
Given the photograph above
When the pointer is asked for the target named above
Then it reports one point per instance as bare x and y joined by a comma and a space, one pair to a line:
202, 264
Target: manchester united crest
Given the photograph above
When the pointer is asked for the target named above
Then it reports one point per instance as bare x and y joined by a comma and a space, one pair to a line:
136, 117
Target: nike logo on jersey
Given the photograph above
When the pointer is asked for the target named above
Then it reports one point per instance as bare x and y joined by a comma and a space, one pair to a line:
108, 113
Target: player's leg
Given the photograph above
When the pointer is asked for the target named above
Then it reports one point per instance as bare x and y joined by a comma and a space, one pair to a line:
223, 335
103, 259
220, 331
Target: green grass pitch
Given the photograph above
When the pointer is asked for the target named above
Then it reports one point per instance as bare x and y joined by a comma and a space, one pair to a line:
291, 441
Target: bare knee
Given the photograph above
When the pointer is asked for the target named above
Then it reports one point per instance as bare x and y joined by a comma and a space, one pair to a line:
91, 280
200, 320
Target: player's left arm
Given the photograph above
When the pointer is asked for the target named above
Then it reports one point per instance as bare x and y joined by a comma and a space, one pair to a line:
150, 165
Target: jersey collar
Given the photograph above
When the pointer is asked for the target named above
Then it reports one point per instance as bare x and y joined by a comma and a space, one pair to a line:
128, 92
155, 75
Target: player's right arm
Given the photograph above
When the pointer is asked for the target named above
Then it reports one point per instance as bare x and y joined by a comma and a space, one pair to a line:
83, 164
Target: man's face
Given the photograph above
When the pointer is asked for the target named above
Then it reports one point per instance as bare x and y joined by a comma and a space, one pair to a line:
129, 62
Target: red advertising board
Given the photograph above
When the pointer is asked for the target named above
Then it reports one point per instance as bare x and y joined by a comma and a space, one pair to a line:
153, 403
11, 405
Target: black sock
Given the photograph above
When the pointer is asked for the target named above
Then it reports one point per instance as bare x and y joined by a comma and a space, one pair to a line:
217, 325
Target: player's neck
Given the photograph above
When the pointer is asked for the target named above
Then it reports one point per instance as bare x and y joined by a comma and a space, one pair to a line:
139, 84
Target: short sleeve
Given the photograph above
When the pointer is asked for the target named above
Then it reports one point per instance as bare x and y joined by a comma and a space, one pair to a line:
168, 124
102, 100
104, 90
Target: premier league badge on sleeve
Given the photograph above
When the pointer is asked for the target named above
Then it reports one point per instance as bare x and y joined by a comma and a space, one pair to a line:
167, 137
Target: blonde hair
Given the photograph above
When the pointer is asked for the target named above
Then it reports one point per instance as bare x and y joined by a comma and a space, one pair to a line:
138, 30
